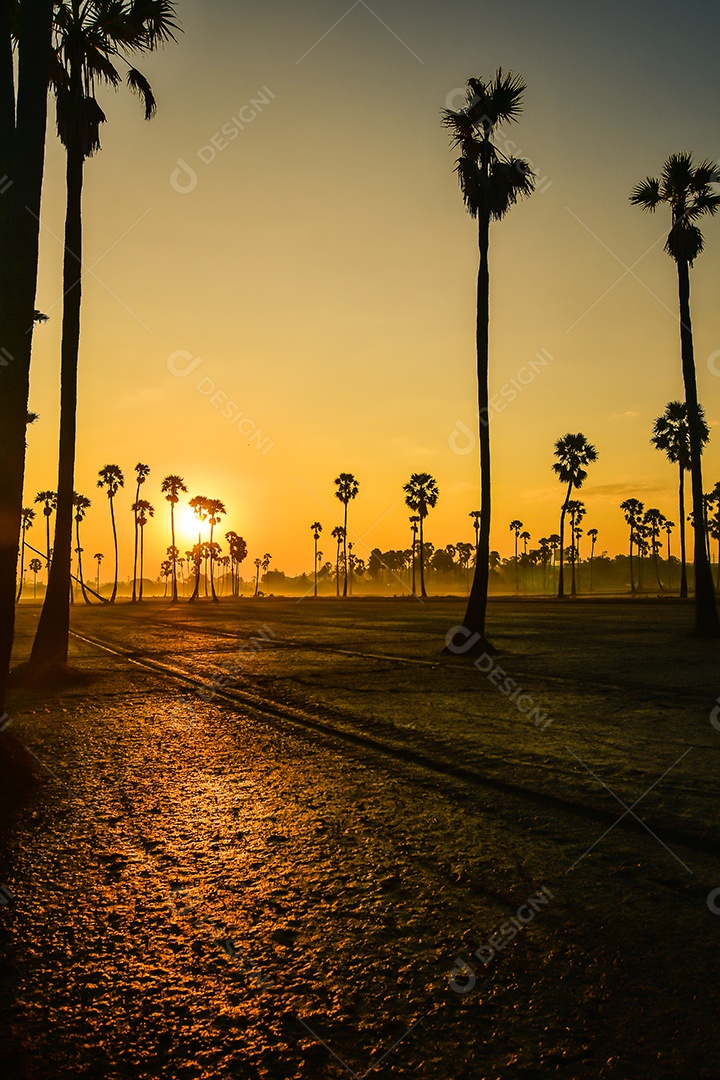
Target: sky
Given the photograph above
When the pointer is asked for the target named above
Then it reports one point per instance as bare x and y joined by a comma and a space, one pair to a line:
267, 307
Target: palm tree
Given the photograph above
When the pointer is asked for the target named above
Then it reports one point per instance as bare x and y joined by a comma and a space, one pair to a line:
90, 41
258, 564
633, 510
23, 110
525, 536
672, 435
142, 472
686, 189
143, 511
475, 515
238, 552
165, 572
26, 519
421, 495
215, 509
574, 453
347, 489
199, 504
577, 512
49, 501
316, 529
654, 522
98, 557
36, 567
491, 184
112, 479
81, 505
338, 535
593, 534
171, 487
515, 527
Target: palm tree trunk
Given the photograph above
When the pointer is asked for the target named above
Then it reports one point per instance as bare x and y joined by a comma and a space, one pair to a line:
315, 570
142, 563
475, 613
414, 561
174, 599
212, 569
81, 578
345, 563
422, 559
683, 548
561, 572
22, 565
706, 616
22, 157
135, 546
115, 542
52, 637
632, 576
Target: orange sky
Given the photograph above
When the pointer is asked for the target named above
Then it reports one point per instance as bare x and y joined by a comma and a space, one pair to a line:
320, 269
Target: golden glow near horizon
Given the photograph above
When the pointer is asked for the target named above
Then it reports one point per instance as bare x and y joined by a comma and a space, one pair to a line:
280, 274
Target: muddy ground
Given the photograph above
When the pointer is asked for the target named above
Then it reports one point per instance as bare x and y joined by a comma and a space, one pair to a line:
291, 840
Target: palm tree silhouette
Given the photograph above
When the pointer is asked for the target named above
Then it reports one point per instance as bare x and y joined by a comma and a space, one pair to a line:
593, 534
554, 545
98, 557
215, 510
525, 536
90, 40
421, 495
491, 183
112, 479
238, 552
36, 566
686, 189
633, 511
199, 504
671, 435
81, 505
577, 512
654, 522
141, 472
49, 501
338, 535
574, 453
143, 511
347, 489
316, 528
515, 527
475, 515
171, 487
258, 564
27, 517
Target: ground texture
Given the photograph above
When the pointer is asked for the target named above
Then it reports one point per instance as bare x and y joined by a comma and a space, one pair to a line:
291, 840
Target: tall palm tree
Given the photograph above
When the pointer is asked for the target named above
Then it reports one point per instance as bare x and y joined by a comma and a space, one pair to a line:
347, 489
215, 510
258, 564
574, 453
49, 501
26, 519
199, 504
171, 487
515, 527
475, 515
141, 472
238, 553
686, 189
593, 534
577, 512
23, 114
316, 530
525, 536
338, 534
671, 434
421, 495
92, 41
98, 557
81, 505
633, 510
553, 544
112, 479
490, 183
143, 512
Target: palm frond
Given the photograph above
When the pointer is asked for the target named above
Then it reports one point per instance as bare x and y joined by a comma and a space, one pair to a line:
140, 86
646, 194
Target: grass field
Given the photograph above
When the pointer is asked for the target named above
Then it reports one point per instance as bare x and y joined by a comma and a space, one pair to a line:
282, 839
